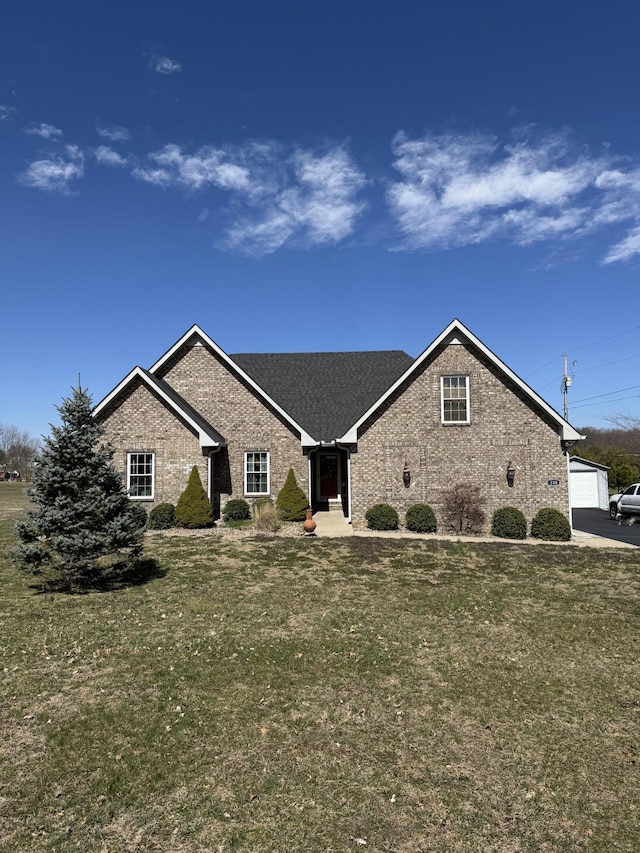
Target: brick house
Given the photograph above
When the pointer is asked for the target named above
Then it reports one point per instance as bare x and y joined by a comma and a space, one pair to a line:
358, 428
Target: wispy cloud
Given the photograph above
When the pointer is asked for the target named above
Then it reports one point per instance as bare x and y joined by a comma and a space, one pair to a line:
6, 112
108, 157
46, 131
114, 133
164, 65
457, 190
55, 174
307, 198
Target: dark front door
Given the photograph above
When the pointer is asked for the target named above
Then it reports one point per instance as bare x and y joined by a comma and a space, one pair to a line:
328, 476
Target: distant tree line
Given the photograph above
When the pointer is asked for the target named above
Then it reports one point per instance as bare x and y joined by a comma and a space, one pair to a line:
617, 447
17, 450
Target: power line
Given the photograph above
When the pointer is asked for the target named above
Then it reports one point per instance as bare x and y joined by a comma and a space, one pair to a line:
608, 394
585, 346
617, 400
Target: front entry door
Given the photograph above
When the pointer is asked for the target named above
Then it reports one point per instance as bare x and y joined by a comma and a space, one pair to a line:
328, 476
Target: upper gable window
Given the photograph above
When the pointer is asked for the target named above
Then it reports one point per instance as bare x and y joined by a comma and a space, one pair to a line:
140, 475
455, 399
256, 473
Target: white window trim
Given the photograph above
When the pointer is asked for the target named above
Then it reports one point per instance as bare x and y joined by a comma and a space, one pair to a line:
246, 473
467, 420
153, 475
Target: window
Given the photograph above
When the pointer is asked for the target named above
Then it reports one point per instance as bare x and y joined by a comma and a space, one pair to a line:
455, 399
256, 473
140, 475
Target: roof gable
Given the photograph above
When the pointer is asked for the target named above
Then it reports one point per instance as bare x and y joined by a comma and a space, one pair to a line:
195, 336
207, 435
456, 332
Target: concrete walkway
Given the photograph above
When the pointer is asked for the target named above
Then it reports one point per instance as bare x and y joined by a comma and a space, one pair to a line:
332, 523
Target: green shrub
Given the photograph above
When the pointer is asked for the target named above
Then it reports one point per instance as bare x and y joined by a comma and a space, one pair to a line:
462, 509
381, 517
420, 518
258, 503
194, 509
139, 513
509, 523
291, 501
162, 517
265, 516
551, 525
237, 509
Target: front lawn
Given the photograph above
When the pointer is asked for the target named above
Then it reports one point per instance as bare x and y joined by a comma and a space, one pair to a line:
292, 694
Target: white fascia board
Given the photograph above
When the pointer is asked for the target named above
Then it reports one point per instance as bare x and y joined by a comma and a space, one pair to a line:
204, 438
195, 331
567, 432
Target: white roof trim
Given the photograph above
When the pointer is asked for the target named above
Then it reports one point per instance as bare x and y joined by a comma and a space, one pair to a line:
205, 439
455, 328
195, 331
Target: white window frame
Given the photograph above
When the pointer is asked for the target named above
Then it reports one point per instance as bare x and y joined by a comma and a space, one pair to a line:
130, 456
249, 456
443, 399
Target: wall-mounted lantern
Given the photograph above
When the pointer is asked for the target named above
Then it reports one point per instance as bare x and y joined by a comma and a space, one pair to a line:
511, 474
406, 475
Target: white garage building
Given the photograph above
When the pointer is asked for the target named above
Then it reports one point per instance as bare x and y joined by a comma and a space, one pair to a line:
588, 484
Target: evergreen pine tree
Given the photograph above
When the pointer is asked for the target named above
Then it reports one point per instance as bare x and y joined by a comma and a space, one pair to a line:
194, 509
82, 526
291, 501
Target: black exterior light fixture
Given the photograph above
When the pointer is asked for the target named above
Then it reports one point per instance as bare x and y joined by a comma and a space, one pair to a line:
511, 474
406, 475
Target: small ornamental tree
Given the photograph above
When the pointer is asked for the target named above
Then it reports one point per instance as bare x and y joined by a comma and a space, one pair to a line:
462, 509
82, 527
194, 509
291, 501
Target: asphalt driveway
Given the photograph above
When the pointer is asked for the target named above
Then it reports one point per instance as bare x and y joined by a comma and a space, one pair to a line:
598, 523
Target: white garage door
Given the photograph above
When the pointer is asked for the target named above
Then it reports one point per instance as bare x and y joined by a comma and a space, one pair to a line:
584, 489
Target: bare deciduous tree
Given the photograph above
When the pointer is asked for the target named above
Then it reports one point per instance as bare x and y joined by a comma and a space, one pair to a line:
17, 449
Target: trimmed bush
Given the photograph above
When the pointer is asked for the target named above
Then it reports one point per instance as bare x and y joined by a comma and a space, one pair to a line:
462, 509
509, 523
162, 517
381, 517
420, 518
194, 509
291, 501
237, 509
265, 516
139, 513
551, 525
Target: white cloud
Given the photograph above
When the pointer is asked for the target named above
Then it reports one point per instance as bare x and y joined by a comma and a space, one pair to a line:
55, 173
108, 157
465, 189
114, 133
46, 131
307, 198
626, 249
164, 65
6, 112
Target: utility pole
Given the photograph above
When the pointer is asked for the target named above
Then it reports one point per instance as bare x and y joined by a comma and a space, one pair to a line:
567, 382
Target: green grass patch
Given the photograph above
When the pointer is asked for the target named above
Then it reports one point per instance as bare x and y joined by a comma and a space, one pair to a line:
324, 695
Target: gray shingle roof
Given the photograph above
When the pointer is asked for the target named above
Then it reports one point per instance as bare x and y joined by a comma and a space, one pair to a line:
325, 392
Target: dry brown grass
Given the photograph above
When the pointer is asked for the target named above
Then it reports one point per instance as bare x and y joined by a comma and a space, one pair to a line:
295, 694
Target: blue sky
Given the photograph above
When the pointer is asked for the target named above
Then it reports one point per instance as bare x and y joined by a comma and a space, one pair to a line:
301, 176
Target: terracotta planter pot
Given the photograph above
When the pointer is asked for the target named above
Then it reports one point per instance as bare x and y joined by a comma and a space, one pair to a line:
309, 525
